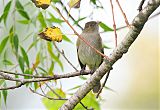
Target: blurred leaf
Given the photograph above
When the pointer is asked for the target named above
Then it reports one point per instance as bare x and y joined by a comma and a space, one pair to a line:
7, 62
93, 1
105, 27
90, 101
24, 21
5, 93
55, 1
3, 44
109, 89
42, 20
24, 14
43, 70
32, 44
25, 56
36, 86
106, 47
74, 87
50, 72
6, 11
54, 19
54, 56
54, 104
21, 63
28, 71
82, 77
66, 38
80, 19
19, 5
35, 65
16, 43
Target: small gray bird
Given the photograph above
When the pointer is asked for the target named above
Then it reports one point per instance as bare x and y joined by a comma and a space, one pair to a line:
86, 55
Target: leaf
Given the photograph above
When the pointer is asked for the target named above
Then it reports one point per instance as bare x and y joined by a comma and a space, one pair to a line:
7, 62
53, 104
90, 101
28, 71
74, 87
66, 38
42, 20
21, 63
54, 56
50, 72
80, 19
19, 5
3, 44
54, 19
51, 34
105, 27
32, 44
74, 3
16, 42
24, 14
25, 56
24, 21
5, 93
6, 11
105, 46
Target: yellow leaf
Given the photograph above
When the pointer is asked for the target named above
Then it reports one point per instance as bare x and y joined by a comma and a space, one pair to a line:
74, 3
42, 3
52, 34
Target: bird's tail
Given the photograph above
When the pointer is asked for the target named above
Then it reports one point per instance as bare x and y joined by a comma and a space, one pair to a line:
97, 87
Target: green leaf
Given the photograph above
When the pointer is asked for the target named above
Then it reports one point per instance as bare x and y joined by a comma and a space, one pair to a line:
54, 104
16, 42
24, 21
3, 44
55, 1
80, 19
24, 14
93, 1
74, 87
106, 47
90, 101
53, 55
66, 38
5, 93
50, 72
21, 63
19, 5
41, 20
54, 19
43, 70
105, 27
25, 56
82, 77
32, 44
7, 62
28, 71
6, 11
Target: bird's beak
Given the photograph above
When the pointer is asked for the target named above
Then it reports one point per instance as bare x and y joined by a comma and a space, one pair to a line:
98, 22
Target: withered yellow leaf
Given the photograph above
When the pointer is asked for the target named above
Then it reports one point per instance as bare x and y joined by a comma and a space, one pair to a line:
51, 34
74, 3
42, 3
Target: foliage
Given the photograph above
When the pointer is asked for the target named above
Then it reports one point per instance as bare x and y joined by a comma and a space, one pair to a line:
22, 50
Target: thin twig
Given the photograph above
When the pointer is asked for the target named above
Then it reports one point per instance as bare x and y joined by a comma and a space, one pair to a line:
103, 84
124, 15
69, 14
62, 53
140, 5
51, 98
81, 36
114, 24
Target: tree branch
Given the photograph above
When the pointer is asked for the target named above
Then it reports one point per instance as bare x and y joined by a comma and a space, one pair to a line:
118, 52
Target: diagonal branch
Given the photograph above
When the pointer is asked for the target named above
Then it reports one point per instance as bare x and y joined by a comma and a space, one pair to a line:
122, 48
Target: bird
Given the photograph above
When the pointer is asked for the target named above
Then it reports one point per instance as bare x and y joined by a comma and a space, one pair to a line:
86, 55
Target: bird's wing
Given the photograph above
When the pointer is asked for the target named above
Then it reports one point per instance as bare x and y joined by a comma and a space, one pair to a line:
77, 44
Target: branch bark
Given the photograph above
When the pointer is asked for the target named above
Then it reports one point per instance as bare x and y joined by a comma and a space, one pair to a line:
122, 48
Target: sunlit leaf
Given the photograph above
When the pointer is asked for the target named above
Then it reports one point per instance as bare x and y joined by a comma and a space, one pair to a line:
25, 56
24, 14
5, 93
16, 42
66, 38
74, 3
24, 21
3, 44
51, 69
51, 34
106, 47
90, 101
54, 104
105, 27
32, 45
54, 19
80, 19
